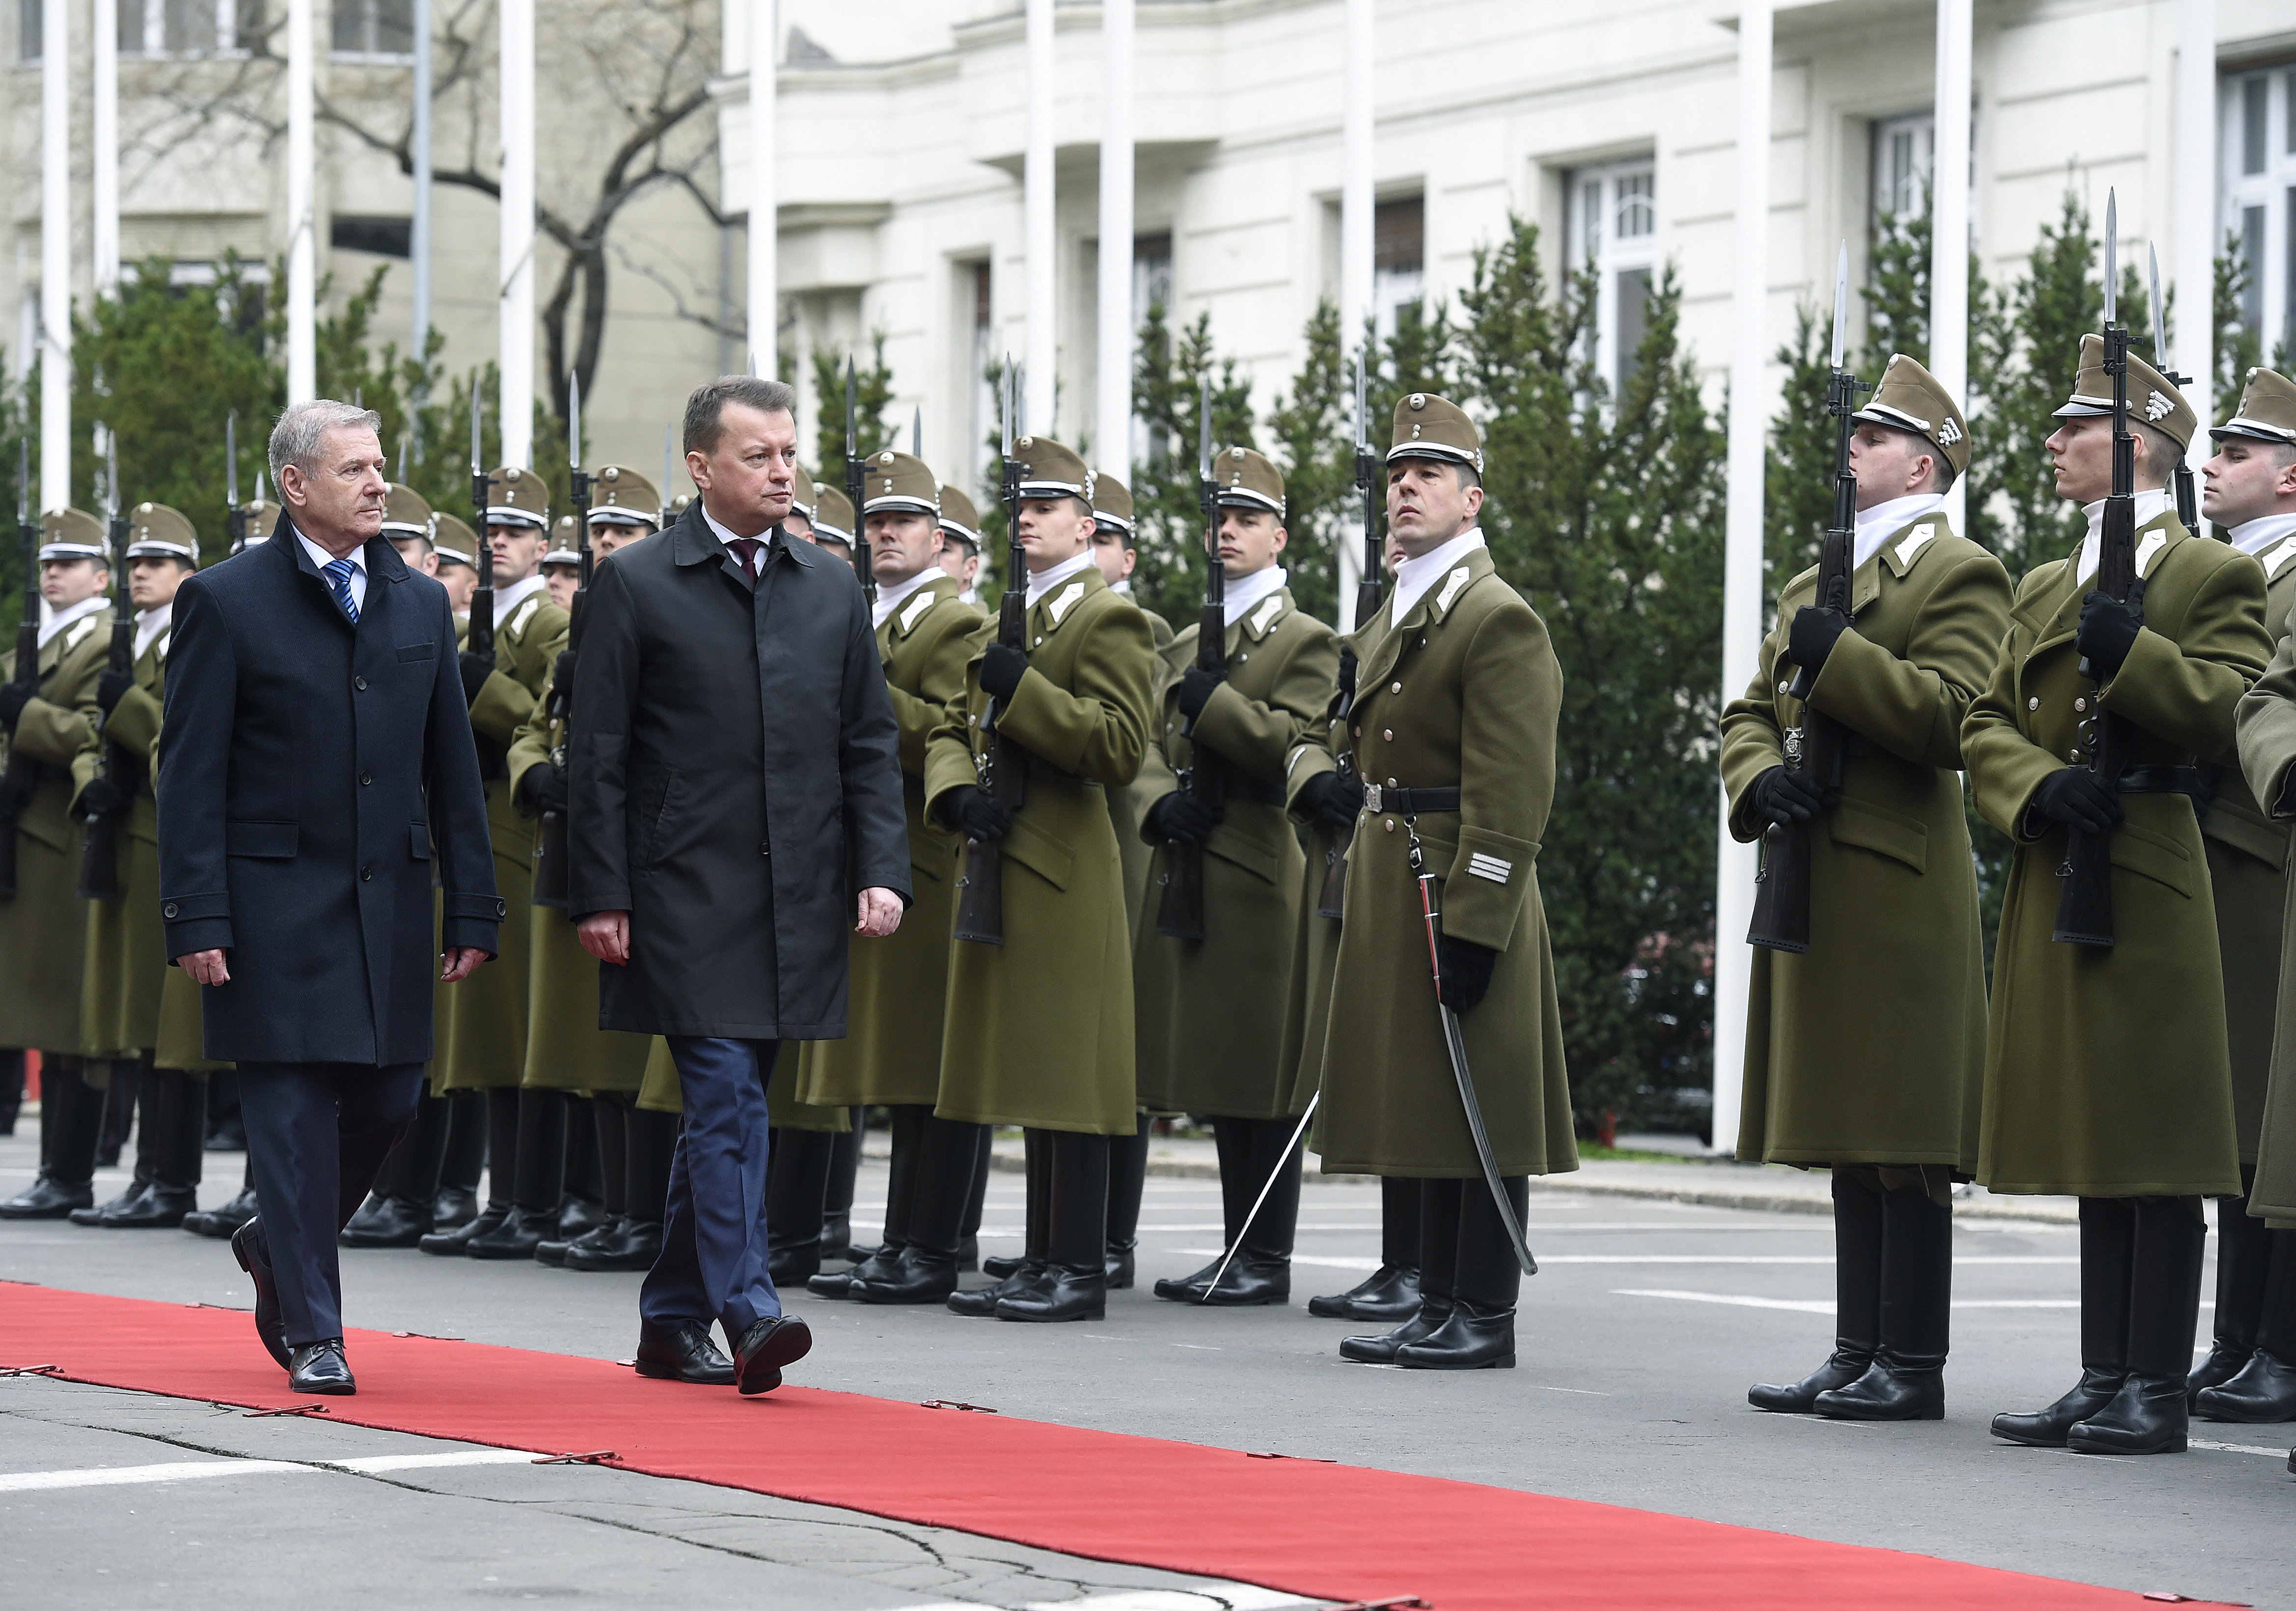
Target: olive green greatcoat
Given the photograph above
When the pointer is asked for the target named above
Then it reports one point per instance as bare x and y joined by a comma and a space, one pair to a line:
2106, 1072
487, 1014
1127, 805
1044, 1035
2267, 752
44, 930
181, 1041
1208, 1013
127, 941
900, 984
659, 1093
1870, 1046
1465, 692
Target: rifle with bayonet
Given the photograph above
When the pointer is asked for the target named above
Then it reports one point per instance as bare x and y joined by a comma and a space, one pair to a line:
235, 518
23, 773
2188, 507
856, 481
1371, 590
668, 468
1817, 747
481, 640
549, 851
1180, 911
1002, 766
2085, 902
99, 850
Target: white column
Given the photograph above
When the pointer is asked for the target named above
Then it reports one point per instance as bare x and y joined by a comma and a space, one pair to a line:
302, 248
55, 255
1949, 225
105, 171
2193, 253
516, 253
1041, 349
765, 200
1356, 202
1113, 417
1741, 564
419, 244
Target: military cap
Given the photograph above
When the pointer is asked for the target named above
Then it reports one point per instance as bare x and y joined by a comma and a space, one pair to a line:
2151, 399
452, 540
621, 496
564, 539
259, 518
1048, 469
1911, 399
832, 515
801, 499
2266, 411
405, 513
1427, 426
1246, 479
897, 481
71, 534
155, 531
1111, 503
517, 497
681, 504
958, 517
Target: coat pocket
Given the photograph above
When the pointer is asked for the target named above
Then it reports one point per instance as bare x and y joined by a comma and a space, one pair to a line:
661, 801
418, 650
1233, 844
271, 840
418, 841
2151, 855
2266, 842
1890, 834
1049, 858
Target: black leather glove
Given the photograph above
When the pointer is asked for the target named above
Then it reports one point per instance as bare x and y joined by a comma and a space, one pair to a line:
1466, 973
13, 698
102, 798
476, 668
1196, 688
1180, 817
111, 688
1001, 671
1786, 797
1333, 799
562, 675
542, 787
2109, 628
1815, 627
971, 810
2077, 797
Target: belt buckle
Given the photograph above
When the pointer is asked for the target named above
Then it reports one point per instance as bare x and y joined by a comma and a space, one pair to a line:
1372, 798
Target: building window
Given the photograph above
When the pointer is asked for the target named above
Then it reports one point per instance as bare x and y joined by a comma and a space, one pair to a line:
2259, 110
1399, 262
386, 238
975, 283
1905, 155
187, 28
1613, 230
383, 28
1151, 287
30, 20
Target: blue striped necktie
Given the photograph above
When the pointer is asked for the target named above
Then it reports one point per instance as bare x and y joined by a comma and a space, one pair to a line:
338, 572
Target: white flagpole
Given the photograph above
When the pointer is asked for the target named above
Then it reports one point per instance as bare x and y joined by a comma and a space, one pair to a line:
2193, 246
105, 171
1112, 418
518, 239
1357, 204
1949, 225
302, 248
1040, 350
765, 200
419, 244
55, 255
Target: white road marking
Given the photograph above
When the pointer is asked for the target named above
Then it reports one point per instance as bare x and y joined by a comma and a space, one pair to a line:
2270, 1454
181, 1471
1826, 1260
1234, 1596
1812, 1306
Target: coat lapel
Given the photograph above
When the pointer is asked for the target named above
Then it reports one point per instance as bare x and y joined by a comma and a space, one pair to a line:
1058, 607
1434, 606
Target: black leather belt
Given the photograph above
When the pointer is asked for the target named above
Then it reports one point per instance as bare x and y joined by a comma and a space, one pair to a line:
2163, 780
1409, 803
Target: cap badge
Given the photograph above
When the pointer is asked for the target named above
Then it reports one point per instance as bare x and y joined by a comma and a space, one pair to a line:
511, 474
1419, 399
1415, 431
1948, 434
1236, 454
609, 473
2157, 406
885, 458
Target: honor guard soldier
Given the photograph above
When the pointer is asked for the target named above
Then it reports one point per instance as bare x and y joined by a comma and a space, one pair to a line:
48, 712
407, 519
802, 502
261, 518
562, 566
1457, 695
832, 522
1115, 547
486, 1016
1044, 1036
127, 944
898, 990
1210, 1011
1886, 1094
2106, 1072
455, 549
960, 556
2250, 1375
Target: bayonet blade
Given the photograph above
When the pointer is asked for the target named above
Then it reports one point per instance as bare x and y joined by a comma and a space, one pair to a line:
573, 419
2111, 257
668, 461
110, 474
402, 459
917, 434
1362, 406
1204, 429
1020, 398
2160, 322
478, 467
849, 445
231, 459
1004, 405
1841, 303
24, 484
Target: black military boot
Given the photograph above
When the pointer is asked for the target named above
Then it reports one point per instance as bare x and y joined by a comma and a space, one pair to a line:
837, 1200
1128, 1181
462, 1162
397, 1213
1232, 1141
1391, 1292
151, 1140
2243, 1255
1478, 1333
883, 1262
2150, 1414
1029, 1270
1074, 1283
2108, 1251
71, 1122
227, 1130
222, 1222
1905, 1382
500, 1116
634, 1241
12, 1089
538, 1179
1857, 1237
924, 1269
596, 1178
968, 1245
1260, 1273
1437, 1217
119, 1107
797, 1184
170, 1149
2264, 1392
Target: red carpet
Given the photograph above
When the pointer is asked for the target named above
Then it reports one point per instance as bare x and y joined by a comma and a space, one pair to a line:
1303, 1526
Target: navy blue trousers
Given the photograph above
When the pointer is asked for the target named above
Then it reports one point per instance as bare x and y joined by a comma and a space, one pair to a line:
713, 1237
317, 1136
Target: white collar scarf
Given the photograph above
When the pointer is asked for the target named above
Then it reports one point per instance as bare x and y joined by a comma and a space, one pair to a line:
1246, 592
150, 623
1414, 577
507, 599
890, 595
1041, 582
64, 618
2150, 506
1877, 524
2254, 537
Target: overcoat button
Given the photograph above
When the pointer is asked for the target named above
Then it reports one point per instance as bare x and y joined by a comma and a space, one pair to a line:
1395, 687
501, 908
2081, 703
1391, 783
2033, 703
765, 847
169, 911
1390, 824
1359, 732
1040, 640
359, 683
366, 875
1388, 734
1785, 686
1242, 657
366, 780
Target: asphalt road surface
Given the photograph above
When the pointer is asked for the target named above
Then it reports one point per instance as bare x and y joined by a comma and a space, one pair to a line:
1637, 1340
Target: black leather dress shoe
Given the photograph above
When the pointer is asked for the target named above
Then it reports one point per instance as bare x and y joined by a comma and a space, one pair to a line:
794, 1266
1380, 1350
521, 1232
577, 1217
1470, 1337
384, 1222
1841, 1368
2047, 1428
221, 1223
457, 1243
1247, 1283
916, 1275
48, 1198
996, 1267
2148, 1416
453, 1208
270, 1326
320, 1367
552, 1252
138, 1189
1892, 1389
980, 1302
2225, 1361
626, 1245
2263, 1393
1065, 1292
683, 1353
1389, 1293
161, 1207
884, 1264
1185, 1289
766, 1348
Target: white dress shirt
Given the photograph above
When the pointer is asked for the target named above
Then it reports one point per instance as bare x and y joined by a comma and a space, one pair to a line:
1244, 592
1041, 582
727, 536
1877, 524
323, 559
2149, 507
1414, 577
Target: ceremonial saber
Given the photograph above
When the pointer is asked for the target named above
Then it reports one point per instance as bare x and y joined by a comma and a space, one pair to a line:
1265, 1187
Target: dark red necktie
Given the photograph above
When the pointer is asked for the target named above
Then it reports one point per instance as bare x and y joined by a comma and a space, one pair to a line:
745, 549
